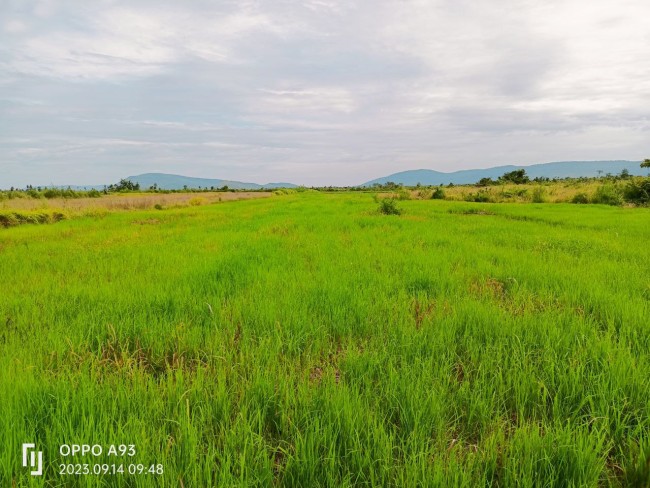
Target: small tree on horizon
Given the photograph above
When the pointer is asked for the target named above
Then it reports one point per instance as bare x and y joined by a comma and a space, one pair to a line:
123, 185
646, 163
517, 177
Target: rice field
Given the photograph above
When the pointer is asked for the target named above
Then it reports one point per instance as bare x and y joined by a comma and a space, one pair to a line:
308, 340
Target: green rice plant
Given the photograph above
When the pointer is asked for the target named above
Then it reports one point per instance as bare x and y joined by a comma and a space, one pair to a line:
308, 341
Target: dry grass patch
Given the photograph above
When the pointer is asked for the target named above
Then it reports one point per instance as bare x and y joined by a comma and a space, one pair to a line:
131, 201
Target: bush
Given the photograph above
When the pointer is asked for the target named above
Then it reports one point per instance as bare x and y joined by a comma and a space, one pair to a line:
486, 182
403, 194
539, 195
388, 206
34, 193
637, 191
521, 192
158, 206
580, 198
481, 196
607, 194
13, 218
196, 201
438, 194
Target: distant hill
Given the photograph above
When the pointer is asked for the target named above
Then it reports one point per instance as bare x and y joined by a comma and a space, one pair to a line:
177, 182
566, 169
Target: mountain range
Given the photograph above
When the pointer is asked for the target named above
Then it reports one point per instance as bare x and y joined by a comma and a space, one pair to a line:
565, 169
177, 182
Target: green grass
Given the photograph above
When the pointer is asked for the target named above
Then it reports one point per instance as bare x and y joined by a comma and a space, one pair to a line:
308, 340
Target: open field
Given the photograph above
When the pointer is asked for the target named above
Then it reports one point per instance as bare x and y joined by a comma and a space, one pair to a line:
308, 340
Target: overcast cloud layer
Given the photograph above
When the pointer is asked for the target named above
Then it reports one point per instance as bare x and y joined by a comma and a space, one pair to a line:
318, 91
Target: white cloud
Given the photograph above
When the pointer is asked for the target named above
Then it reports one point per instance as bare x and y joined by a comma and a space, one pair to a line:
285, 90
14, 26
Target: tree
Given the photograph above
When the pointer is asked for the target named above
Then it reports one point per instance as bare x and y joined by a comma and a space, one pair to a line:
486, 182
518, 177
124, 185
646, 163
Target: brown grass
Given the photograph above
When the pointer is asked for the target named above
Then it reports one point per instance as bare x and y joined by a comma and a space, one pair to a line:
554, 192
131, 201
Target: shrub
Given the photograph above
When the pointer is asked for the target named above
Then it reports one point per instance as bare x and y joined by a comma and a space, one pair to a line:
481, 196
388, 206
607, 194
403, 194
539, 195
637, 191
438, 194
580, 198
12, 218
521, 192
196, 201
7, 219
486, 182
158, 206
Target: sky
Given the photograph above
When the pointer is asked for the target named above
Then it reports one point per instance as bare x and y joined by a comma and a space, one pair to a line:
316, 92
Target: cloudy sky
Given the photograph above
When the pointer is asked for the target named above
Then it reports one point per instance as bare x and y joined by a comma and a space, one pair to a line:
316, 91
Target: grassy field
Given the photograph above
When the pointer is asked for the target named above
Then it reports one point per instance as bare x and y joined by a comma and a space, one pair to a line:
307, 340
